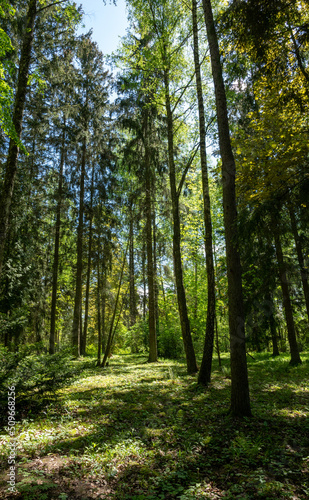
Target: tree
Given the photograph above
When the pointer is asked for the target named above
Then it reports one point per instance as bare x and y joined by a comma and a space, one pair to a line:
205, 368
240, 399
92, 102
295, 357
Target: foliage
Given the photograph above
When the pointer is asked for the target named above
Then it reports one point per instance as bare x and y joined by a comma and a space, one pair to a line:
34, 375
147, 431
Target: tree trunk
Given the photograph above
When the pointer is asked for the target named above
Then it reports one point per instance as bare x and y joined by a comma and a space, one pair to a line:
79, 266
144, 280
272, 325
155, 265
181, 295
300, 256
103, 321
19, 105
240, 399
56, 251
132, 296
153, 354
287, 304
84, 335
99, 313
111, 329
205, 368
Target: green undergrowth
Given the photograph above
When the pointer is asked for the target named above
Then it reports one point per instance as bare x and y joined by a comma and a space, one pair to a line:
140, 431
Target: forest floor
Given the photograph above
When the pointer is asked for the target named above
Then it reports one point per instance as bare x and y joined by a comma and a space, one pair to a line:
139, 431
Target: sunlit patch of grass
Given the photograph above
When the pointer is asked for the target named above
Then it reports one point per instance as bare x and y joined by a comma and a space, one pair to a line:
148, 431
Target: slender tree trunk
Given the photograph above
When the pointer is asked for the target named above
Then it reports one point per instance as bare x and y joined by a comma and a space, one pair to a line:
56, 250
111, 328
99, 313
144, 280
240, 399
132, 296
155, 265
181, 295
300, 256
205, 368
287, 304
153, 354
77, 326
217, 342
103, 320
272, 324
19, 105
84, 335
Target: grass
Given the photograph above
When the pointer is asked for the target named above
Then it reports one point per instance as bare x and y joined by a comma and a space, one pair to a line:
139, 431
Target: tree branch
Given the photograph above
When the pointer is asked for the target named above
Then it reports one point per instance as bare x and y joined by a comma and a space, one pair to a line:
183, 177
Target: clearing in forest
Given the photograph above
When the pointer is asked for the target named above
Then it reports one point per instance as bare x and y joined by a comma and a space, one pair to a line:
138, 431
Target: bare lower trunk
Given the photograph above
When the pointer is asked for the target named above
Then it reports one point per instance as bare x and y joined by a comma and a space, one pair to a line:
99, 313
153, 354
56, 251
300, 256
287, 304
240, 399
79, 267
132, 296
83, 339
272, 326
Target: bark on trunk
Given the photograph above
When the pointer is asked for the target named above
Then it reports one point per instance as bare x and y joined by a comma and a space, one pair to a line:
153, 354
181, 295
79, 267
19, 105
287, 304
132, 298
240, 399
144, 281
272, 325
103, 321
56, 251
99, 313
300, 256
205, 368
84, 335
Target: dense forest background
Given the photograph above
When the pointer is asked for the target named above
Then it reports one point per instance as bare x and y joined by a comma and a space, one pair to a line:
114, 236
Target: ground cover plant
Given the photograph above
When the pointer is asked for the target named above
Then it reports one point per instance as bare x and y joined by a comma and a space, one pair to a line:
137, 431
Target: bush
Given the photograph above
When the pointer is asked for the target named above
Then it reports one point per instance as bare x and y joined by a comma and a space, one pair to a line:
34, 375
136, 338
170, 343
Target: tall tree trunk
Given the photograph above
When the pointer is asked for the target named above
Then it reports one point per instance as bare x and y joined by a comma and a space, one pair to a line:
153, 354
155, 265
99, 313
56, 250
132, 295
300, 256
181, 295
83, 339
103, 319
240, 398
287, 304
205, 368
19, 105
144, 280
77, 326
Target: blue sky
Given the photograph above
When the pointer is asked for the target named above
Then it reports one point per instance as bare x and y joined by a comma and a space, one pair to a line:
108, 21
